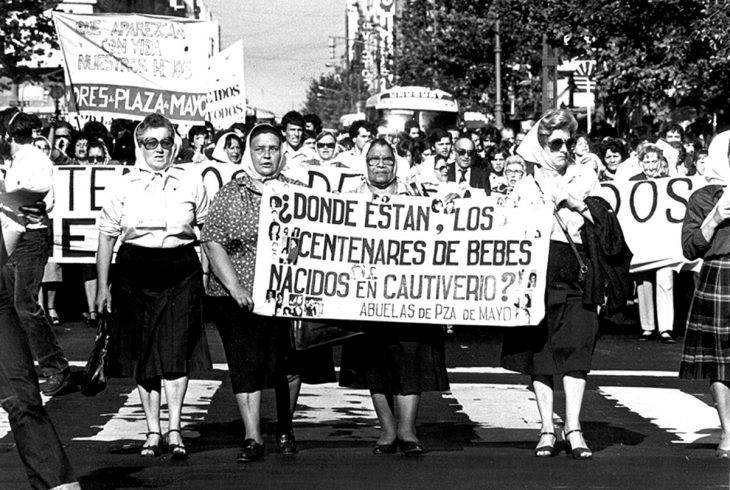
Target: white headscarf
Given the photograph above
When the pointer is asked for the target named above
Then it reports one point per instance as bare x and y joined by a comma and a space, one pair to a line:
718, 165
219, 152
139, 151
247, 160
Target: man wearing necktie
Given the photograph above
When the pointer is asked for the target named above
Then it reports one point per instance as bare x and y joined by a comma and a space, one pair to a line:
464, 172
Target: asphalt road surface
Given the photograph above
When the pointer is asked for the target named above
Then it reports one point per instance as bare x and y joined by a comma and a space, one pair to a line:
647, 428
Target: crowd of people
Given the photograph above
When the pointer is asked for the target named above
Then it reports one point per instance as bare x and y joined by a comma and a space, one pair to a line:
156, 289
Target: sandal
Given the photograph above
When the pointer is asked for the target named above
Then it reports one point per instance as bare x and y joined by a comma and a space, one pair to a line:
53, 317
177, 451
151, 450
546, 450
578, 452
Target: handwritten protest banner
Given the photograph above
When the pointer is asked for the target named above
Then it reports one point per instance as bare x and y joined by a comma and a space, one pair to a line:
131, 65
400, 258
651, 214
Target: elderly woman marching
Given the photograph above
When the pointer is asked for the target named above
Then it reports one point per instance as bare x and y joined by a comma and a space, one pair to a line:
562, 344
157, 331
395, 361
706, 235
257, 348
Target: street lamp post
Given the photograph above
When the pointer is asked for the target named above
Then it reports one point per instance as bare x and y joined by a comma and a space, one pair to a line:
498, 110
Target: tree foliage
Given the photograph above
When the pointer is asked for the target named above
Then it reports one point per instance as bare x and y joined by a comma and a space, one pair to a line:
659, 53
333, 94
25, 33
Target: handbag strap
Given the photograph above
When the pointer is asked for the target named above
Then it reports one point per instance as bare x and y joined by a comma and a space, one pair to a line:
582, 264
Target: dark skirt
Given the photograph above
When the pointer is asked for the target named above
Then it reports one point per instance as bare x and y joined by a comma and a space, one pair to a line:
259, 352
565, 339
707, 338
156, 324
396, 358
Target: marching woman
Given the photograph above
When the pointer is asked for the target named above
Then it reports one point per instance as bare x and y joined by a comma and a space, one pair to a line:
706, 235
395, 361
257, 348
157, 331
562, 344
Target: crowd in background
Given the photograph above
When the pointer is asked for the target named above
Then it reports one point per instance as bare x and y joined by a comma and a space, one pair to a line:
423, 160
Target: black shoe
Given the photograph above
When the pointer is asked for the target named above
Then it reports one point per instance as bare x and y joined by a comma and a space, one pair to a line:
286, 443
411, 448
92, 322
55, 383
151, 450
647, 335
250, 451
666, 338
385, 448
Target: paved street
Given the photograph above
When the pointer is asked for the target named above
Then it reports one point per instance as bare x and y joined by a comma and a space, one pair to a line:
647, 429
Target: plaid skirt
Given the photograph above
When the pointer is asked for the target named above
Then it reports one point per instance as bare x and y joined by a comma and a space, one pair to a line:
707, 339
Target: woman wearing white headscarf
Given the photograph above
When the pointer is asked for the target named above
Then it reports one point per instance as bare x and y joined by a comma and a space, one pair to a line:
228, 148
257, 347
157, 328
706, 235
395, 361
562, 344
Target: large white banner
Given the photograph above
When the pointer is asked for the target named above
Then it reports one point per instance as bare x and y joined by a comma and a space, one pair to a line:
400, 258
651, 213
226, 96
125, 65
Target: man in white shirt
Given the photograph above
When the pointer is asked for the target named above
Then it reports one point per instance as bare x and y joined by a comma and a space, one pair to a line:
293, 149
37, 441
361, 133
29, 179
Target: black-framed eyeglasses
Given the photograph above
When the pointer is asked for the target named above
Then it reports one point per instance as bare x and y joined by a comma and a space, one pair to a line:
557, 144
463, 152
326, 145
97, 159
386, 161
152, 143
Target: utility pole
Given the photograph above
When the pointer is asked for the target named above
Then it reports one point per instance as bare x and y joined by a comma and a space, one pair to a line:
498, 110
549, 75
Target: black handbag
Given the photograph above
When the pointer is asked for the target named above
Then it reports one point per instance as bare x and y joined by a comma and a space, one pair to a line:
95, 373
306, 334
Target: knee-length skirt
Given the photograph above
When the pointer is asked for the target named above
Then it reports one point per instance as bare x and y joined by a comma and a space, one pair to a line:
565, 339
259, 352
396, 358
706, 352
156, 323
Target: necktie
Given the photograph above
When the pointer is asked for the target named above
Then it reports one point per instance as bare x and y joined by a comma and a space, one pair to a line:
462, 179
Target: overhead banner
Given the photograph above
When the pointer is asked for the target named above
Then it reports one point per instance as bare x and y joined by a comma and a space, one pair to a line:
651, 213
400, 258
124, 65
226, 96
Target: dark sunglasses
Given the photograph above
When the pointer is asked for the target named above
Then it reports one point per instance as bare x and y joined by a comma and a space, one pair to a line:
557, 144
441, 168
151, 143
97, 159
461, 152
326, 145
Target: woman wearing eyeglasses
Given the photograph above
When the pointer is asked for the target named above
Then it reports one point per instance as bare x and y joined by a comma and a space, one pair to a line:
562, 344
157, 330
395, 361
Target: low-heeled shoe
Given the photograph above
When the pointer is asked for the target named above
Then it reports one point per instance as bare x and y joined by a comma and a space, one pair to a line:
286, 444
411, 448
389, 448
250, 451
